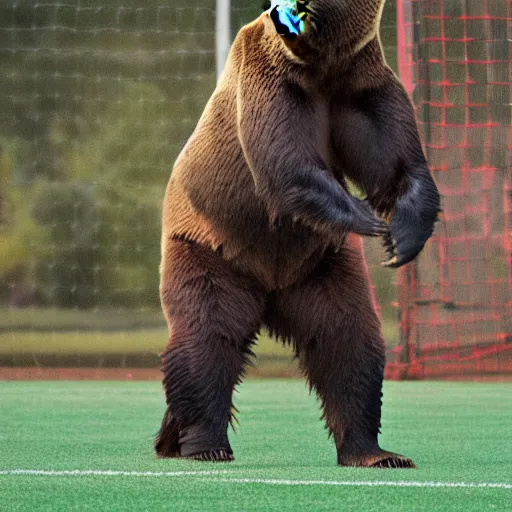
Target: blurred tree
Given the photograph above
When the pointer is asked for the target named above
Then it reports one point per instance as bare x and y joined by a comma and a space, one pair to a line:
104, 219
21, 241
101, 97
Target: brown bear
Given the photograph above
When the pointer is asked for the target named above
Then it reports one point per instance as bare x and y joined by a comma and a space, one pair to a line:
259, 228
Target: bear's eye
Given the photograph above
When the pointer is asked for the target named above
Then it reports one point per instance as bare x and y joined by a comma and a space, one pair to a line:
302, 7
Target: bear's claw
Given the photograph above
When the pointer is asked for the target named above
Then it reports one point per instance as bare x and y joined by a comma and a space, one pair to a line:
213, 456
394, 462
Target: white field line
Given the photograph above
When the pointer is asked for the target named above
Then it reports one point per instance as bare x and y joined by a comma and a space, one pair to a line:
370, 483
99, 472
212, 474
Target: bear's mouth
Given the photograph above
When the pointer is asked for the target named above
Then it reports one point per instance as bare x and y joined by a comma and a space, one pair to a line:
290, 17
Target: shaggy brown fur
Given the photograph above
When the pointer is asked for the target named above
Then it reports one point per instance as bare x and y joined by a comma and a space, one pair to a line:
259, 228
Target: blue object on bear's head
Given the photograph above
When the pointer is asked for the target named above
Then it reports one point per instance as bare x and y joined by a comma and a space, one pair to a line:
289, 17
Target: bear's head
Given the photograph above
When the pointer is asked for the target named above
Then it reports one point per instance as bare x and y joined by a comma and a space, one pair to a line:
325, 29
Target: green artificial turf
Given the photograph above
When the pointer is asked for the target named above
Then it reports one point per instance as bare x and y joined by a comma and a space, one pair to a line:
455, 432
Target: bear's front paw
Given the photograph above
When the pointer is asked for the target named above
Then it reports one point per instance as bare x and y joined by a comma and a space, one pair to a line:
411, 225
403, 242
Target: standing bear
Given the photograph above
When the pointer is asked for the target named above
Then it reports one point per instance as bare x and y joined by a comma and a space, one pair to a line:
259, 228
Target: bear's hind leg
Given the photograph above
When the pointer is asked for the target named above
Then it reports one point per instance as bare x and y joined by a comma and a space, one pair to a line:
213, 314
331, 321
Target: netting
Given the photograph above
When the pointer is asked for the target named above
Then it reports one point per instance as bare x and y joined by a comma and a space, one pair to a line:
456, 301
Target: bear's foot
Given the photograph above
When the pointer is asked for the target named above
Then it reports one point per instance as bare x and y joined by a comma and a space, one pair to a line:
382, 459
195, 443
221, 455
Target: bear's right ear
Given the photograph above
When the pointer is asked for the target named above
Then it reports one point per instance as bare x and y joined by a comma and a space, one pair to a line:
267, 4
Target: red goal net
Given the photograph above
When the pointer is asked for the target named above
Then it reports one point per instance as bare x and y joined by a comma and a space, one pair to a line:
456, 301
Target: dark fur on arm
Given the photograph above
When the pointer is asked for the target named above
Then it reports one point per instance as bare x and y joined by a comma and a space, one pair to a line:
378, 139
413, 218
279, 132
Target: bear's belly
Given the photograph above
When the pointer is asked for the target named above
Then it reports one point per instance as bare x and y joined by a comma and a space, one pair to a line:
279, 257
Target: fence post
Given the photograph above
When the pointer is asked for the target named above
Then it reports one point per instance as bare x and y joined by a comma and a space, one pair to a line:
404, 54
222, 34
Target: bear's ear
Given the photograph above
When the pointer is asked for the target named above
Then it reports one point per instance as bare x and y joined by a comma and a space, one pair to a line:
267, 4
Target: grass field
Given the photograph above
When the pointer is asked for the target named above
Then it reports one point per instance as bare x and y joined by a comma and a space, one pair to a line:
139, 348
108, 342
59, 319
459, 435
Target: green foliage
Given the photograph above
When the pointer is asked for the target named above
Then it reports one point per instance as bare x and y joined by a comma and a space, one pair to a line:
104, 219
21, 240
99, 113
